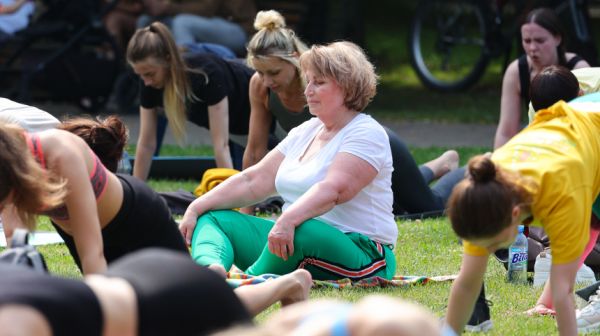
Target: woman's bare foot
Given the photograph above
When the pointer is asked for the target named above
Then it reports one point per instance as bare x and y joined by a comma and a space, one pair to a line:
444, 163
219, 269
298, 284
540, 310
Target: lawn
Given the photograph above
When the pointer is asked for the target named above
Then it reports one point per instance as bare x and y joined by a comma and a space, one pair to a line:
427, 247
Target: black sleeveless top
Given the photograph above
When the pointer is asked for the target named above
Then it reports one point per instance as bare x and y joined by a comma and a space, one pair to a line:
524, 75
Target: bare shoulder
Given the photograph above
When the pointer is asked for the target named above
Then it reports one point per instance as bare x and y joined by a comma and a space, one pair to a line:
581, 64
258, 91
512, 71
62, 146
257, 85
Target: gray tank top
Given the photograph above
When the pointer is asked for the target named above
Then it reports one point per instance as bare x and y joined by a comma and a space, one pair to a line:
285, 118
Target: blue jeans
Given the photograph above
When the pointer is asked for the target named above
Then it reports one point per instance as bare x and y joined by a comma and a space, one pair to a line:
188, 28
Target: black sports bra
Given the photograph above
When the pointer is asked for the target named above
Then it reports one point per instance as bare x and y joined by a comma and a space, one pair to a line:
525, 75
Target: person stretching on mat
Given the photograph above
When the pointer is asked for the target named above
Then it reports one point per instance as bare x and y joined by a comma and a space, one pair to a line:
149, 292
100, 216
546, 175
276, 93
334, 175
207, 90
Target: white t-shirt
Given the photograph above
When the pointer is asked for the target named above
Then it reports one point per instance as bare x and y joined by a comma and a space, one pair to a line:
370, 211
27, 117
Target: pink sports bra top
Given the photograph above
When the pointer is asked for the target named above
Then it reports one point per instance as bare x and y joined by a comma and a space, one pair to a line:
98, 176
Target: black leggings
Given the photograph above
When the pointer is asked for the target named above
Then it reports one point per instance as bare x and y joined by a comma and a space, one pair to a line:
176, 296
144, 220
410, 183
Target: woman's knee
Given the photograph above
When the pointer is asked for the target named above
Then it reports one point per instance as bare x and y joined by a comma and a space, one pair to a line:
222, 219
314, 232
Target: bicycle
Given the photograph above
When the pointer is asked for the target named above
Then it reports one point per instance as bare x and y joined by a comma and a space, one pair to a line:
451, 42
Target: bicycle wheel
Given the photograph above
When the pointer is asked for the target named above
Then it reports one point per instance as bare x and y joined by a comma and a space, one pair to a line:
447, 43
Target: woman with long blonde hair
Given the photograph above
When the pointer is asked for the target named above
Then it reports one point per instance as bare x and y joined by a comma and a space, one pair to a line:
204, 89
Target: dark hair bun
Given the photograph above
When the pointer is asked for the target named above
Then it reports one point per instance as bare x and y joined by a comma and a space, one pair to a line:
482, 169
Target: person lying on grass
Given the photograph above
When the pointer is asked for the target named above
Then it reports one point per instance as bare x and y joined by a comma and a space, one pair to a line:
148, 292
371, 315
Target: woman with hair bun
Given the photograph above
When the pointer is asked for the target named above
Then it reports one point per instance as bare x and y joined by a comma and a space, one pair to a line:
547, 176
106, 137
101, 216
277, 94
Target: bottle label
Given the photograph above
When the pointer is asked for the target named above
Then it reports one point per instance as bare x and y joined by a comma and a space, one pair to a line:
519, 257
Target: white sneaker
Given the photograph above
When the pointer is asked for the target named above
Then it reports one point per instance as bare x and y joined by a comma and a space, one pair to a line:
588, 318
543, 263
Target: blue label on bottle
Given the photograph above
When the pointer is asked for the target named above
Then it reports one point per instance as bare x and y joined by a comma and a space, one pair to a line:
519, 257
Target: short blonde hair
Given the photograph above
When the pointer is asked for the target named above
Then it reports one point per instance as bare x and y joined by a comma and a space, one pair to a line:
274, 39
347, 64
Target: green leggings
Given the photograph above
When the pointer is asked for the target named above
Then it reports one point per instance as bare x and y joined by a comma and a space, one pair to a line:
228, 237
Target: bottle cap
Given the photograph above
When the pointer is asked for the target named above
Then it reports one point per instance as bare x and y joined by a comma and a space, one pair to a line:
521, 228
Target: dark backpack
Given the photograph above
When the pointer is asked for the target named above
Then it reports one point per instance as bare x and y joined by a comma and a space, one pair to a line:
21, 253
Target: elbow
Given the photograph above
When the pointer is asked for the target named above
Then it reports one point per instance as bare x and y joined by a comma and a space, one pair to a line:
339, 193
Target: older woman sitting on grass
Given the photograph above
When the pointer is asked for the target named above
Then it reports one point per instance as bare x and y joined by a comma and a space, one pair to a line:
334, 174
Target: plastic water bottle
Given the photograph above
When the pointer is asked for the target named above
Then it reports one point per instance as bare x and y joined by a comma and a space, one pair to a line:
124, 166
517, 259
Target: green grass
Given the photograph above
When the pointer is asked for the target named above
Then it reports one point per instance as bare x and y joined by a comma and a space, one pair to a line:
427, 247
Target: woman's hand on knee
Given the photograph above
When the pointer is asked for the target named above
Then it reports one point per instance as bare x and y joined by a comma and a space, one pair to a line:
281, 240
188, 224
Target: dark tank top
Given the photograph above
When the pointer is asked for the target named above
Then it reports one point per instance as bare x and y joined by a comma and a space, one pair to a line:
286, 119
525, 75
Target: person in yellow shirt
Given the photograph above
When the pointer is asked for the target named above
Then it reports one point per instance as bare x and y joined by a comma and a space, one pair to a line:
547, 175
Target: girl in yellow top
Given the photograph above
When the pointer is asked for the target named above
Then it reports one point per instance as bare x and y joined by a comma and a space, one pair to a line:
546, 175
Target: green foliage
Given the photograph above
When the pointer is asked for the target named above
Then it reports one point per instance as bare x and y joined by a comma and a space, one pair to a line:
401, 95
